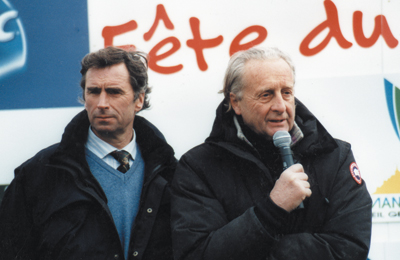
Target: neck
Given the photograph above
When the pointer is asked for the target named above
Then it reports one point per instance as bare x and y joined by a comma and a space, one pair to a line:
118, 141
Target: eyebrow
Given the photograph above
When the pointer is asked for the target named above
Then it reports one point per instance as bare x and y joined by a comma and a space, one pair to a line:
92, 88
268, 90
114, 90
117, 88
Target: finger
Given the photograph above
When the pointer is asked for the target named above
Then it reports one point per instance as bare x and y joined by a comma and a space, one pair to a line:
308, 192
297, 167
302, 176
306, 184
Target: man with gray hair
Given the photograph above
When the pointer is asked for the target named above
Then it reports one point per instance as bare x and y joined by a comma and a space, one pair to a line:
103, 191
232, 197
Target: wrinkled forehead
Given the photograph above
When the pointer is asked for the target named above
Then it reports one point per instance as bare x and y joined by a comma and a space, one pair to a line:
258, 71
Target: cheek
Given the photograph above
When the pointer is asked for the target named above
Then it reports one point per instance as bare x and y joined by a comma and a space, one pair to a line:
89, 105
290, 106
261, 110
126, 109
292, 109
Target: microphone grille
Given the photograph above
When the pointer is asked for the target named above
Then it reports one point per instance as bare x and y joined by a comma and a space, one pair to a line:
282, 139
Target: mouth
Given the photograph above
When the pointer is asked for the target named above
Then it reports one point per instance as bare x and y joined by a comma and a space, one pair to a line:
276, 120
103, 117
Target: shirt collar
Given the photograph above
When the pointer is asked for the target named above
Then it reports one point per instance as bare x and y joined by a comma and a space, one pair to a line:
101, 148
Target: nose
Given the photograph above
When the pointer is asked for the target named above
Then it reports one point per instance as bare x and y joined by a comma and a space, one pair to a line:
278, 104
103, 101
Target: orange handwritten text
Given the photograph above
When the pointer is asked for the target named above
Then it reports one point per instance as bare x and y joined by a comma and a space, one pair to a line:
197, 43
332, 24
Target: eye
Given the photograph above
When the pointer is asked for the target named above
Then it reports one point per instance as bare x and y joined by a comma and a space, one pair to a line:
265, 96
287, 93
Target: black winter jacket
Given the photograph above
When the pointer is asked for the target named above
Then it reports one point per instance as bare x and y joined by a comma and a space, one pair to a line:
55, 208
221, 207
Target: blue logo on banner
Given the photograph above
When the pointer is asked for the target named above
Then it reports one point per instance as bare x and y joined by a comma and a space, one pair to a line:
41, 46
12, 40
393, 102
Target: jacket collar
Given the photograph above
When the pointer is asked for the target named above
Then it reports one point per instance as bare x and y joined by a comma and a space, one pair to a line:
316, 138
74, 137
308, 135
154, 148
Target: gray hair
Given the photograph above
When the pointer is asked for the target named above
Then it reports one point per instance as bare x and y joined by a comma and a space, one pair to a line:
233, 81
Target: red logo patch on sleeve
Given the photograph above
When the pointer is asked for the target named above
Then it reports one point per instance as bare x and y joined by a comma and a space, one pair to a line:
355, 172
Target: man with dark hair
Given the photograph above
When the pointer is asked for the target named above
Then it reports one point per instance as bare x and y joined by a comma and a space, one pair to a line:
103, 191
231, 196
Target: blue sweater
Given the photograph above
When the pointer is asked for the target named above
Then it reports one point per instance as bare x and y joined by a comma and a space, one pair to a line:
123, 192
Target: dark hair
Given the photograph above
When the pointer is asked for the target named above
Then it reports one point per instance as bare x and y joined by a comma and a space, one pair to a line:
136, 63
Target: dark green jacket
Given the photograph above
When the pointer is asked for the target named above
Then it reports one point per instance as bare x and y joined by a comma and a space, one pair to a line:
55, 208
221, 207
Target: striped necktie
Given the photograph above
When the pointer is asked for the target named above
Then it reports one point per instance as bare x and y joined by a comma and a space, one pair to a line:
123, 158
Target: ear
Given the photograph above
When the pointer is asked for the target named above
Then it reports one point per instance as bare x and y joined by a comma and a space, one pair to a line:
139, 102
235, 104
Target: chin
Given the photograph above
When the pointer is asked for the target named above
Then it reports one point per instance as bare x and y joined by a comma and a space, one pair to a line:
103, 131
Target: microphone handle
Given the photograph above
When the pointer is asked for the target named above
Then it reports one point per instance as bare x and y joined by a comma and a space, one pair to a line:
287, 157
287, 160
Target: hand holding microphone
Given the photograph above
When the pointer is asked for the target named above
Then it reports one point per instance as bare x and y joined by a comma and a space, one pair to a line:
292, 186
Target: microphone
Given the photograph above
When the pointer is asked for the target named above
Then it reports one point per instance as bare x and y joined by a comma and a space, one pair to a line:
282, 141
